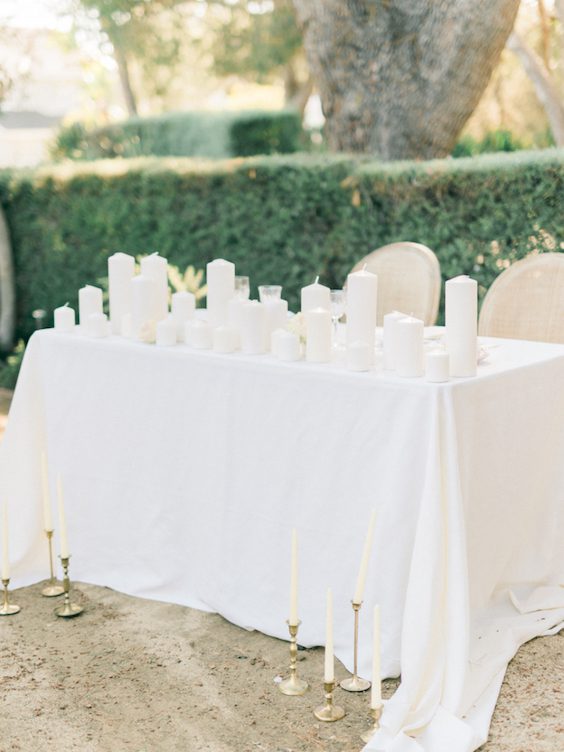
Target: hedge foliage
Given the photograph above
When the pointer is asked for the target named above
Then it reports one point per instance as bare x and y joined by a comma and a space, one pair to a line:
280, 219
185, 134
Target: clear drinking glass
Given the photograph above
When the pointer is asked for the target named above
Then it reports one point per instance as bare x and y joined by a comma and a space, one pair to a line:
242, 288
269, 292
338, 301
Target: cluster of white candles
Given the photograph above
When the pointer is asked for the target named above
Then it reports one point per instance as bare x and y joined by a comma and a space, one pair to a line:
329, 663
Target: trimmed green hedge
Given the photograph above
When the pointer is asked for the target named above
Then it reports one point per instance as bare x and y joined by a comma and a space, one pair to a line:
280, 219
185, 134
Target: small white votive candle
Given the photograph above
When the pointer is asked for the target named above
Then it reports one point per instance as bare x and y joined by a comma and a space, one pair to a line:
437, 364
64, 319
97, 325
288, 346
409, 347
274, 340
199, 334
359, 356
166, 332
224, 339
182, 309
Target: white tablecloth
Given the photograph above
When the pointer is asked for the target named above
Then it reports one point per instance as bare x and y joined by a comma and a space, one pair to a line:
185, 471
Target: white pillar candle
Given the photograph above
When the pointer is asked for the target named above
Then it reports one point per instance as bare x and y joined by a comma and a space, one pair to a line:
274, 340
329, 673
253, 328
142, 304
47, 517
437, 364
89, 301
121, 268
155, 267
376, 691
182, 309
199, 334
315, 296
224, 339
64, 319
220, 278
97, 325
390, 338
126, 326
363, 569
461, 325
276, 315
167, 331
318, 335
293, 620
288, 346
360, 357
64, 544
409, 347
5, 552
362, 298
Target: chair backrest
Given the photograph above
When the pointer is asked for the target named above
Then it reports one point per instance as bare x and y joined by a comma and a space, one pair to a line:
409, 280
526, 301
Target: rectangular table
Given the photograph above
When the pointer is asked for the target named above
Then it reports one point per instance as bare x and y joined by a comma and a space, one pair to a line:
185, 472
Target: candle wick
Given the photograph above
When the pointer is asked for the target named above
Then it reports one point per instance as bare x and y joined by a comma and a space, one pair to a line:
364, 267
66, 304
316, 280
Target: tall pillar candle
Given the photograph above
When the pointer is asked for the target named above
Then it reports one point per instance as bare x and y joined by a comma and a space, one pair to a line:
253, 328
5, 552
182, 309
315, 296
47, 517
461, 325
329, 672
362, 299
376, 691
363, 570
64, 544
142, 304
390, 338
121, 269
318, 335
89, 301
293, 620
220, 278
155, 267
409, 347
63, 319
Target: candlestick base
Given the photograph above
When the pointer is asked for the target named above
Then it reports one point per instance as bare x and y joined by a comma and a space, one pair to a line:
355, 684
329, 712
8, 609
68, 610
293, 685
52, 590
376, 714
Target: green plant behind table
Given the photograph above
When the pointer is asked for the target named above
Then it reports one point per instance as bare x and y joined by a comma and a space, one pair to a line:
10, 366
214, 135
280, 219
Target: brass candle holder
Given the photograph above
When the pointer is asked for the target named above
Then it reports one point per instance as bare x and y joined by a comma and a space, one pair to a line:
54, 588
376, 714
68, 609
8, 608
354, 683
329, 712
293, 685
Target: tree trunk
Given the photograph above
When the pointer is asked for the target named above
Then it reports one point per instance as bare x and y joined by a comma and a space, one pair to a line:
296, 92
400, 78
7, 288
125, 81
545, 89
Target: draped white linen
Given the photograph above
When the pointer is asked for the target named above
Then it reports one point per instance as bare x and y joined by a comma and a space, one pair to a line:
186, 471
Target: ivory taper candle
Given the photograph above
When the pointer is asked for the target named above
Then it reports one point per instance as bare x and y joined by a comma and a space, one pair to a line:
362, 572
376, 692
293, 620
5, 554
329, 674
62, 520
47, 517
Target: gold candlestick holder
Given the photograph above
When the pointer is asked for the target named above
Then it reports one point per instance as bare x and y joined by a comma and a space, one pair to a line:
329, 712
54, 588
68, 609
8, 608
376, 714
354, 683
293, 685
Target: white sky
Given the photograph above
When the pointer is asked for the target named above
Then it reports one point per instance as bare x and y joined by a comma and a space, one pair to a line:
33, 13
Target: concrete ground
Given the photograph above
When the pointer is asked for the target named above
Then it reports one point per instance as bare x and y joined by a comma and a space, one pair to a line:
140, 675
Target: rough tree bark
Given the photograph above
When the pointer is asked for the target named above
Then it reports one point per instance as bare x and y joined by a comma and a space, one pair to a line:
125, 81
399, 78
7, 288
